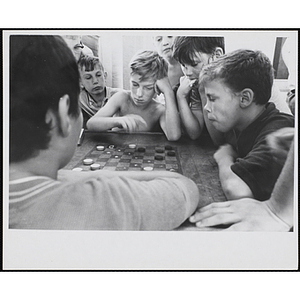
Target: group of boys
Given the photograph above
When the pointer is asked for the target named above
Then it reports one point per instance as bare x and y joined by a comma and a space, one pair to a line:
227, 96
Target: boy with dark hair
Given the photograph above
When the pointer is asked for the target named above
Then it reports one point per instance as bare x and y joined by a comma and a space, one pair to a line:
138, 110
94, 93
237, 87
193, 53
45, 122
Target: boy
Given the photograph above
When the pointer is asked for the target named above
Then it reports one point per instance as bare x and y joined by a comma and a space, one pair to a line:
94, 93
164, 47
137, 110
237, 87
194, 53
45, 121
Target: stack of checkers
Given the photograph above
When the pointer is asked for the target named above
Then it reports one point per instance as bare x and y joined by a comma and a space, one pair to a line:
130, 158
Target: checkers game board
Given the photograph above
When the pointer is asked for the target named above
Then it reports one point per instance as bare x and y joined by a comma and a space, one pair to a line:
131, 157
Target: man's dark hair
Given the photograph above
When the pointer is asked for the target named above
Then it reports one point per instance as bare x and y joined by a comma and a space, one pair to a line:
42, 70
185, 47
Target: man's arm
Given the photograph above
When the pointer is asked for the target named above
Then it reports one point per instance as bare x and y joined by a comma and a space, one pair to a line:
134, 200
169, 121
233, 186
192, 121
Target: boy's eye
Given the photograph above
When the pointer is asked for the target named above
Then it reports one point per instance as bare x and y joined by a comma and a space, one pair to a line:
158, 38
87, 77
98, 74
195, 64
149, 88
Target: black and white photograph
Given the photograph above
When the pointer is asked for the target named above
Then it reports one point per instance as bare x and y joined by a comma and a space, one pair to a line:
150, 149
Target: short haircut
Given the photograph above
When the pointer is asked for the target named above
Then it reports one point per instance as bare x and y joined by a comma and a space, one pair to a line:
185, 47
89, 63
148, 64
242, 69
42, 70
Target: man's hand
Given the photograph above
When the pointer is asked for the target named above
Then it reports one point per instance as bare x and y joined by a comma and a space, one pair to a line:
239, 215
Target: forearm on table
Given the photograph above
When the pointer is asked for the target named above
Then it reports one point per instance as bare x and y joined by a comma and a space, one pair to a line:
233, 186
190, 122
172, 119
102, 123
282, 198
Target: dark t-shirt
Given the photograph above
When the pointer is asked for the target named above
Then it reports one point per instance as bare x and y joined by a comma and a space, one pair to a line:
255, 163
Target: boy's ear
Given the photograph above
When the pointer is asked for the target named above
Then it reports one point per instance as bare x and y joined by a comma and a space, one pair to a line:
64, 120
105, 74
246, 98
218, 52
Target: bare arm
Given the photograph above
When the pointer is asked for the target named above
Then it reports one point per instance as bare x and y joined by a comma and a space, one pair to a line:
233, 186
169, 121
282, 198
104, 120
192, 121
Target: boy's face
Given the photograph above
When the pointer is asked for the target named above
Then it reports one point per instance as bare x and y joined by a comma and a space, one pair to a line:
93, 81
142, 92
222, 106
193, 71
164, 45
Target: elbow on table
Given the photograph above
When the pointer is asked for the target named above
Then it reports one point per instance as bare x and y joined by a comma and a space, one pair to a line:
90, 124
174, 136
195, 136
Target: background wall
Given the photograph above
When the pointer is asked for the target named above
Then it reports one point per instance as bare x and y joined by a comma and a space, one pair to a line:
116, 48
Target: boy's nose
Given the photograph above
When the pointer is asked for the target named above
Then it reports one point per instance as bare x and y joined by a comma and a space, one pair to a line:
139, 92
165, 41
207, 107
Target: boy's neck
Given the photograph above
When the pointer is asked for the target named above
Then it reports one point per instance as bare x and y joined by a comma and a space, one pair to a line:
250, 115
99, 97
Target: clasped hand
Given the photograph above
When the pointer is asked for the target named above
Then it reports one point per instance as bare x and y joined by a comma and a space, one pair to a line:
225, 152
185, 86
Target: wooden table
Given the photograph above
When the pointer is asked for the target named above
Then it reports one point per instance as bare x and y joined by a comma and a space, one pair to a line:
196, 159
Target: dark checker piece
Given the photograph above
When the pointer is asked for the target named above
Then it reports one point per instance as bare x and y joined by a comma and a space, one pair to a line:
159, 157
159, 150
168, 147
171, 153
141, 149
